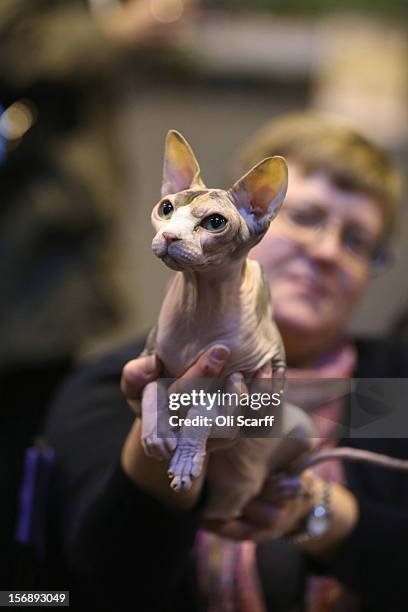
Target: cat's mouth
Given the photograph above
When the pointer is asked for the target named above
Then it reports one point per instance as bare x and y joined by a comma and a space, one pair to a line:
177, 257
162, 252
171, 262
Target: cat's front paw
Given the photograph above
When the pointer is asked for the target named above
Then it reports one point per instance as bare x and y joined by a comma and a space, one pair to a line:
158, 448
187, 463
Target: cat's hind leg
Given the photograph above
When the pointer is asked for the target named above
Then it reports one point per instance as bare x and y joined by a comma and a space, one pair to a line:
188, 458
187, 461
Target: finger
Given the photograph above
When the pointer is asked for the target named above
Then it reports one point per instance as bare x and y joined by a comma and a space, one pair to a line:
155, 448
136, 406
208, 365
280, 487
278, 380
235, 384
278, 371
227, 435
235, 387
265, 371
307, 481
271, 491
235, 529
137, 373
261, 515
262, 379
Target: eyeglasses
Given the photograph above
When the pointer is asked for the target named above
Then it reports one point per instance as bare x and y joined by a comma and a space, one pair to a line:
305, 223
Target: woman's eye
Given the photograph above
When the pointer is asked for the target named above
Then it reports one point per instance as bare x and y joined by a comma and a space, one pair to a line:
305, 218
166, 209
214, 223
359, 245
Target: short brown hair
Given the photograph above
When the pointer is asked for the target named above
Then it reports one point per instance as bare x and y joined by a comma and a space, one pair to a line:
325, 142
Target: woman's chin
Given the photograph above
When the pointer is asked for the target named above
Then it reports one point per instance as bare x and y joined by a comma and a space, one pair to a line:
301, 319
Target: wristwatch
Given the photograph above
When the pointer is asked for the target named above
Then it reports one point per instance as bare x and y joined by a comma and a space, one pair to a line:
318, 522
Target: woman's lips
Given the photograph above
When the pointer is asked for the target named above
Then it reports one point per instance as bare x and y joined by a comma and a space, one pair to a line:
310, 285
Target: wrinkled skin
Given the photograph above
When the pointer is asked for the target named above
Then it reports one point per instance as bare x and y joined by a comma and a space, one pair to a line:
218, 296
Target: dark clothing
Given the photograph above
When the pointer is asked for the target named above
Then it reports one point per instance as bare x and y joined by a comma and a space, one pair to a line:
25, 393
61, 189
121, 546
110, 532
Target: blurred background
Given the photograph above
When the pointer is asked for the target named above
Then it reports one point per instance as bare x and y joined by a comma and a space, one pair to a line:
88, 91
245, 62
216, 71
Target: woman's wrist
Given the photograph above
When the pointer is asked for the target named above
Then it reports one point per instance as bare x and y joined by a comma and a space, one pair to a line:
342, 514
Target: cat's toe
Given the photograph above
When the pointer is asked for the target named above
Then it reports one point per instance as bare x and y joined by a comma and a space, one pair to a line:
175, 464
186, 483
186, 464
181, 482
176, 483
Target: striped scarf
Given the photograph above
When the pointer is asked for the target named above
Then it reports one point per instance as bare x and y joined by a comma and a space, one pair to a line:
227, 573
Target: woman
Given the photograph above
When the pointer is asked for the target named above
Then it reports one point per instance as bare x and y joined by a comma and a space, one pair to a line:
334, 228
116, 503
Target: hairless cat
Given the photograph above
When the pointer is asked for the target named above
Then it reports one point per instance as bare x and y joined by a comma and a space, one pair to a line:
219, 296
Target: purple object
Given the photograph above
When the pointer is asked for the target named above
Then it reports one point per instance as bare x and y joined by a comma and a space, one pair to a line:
2, 140
38, 464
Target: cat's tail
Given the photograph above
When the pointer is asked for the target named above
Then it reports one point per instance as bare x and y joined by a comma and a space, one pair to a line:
353, 454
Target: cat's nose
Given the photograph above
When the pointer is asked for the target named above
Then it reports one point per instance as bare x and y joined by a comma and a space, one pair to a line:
170, 237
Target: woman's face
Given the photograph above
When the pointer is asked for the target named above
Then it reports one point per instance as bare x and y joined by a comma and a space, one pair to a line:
317, 254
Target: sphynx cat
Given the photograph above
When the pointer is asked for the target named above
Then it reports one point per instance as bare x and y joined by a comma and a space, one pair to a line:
218, 296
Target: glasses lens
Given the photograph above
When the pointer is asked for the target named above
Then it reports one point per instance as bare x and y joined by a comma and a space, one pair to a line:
308, 218
305, 222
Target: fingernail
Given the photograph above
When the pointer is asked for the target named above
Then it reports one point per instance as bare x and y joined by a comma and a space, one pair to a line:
266, 370
219, 354
150, 365
236, 377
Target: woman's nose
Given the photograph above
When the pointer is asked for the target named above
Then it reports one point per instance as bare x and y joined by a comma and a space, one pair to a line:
327, 247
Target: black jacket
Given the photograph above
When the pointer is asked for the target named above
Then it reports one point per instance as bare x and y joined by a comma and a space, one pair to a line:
120, 546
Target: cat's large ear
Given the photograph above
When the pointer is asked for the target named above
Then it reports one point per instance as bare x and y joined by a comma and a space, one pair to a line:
259, 194
180, 169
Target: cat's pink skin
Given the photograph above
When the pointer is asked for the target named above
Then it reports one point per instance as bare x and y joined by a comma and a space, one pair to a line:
229, 308
203, 309
218, 296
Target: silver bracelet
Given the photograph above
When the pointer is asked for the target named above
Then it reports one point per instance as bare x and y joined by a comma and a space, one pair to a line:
318, 522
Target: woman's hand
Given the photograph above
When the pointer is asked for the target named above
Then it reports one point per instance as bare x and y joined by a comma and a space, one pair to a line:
278, 511
146, 472
281, 508
136, 374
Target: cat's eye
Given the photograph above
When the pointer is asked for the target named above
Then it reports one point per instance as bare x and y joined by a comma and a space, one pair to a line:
166, 209
214, 223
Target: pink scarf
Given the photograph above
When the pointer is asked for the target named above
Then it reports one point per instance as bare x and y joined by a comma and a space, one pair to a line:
227, 574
